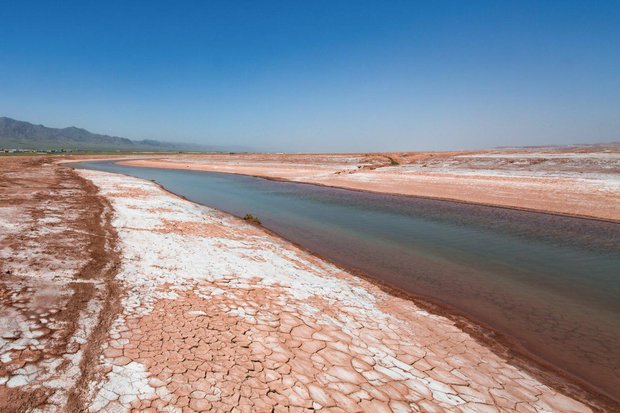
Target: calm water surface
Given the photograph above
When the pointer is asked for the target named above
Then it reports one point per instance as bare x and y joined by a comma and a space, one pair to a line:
551, 283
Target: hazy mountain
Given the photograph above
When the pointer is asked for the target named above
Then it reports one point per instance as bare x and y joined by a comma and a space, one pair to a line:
16, 134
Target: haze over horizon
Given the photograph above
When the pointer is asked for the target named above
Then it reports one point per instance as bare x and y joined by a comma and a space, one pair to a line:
320, 76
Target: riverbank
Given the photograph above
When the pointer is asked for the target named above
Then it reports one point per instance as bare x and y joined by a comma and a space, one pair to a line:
583, 182
219, 313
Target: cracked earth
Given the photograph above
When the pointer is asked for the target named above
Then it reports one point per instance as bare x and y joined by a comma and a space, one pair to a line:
119, 296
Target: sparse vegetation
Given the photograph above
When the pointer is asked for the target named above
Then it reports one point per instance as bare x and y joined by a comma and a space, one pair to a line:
393, 162
251, 219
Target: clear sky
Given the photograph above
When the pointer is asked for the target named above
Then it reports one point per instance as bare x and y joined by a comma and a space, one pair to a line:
317, 75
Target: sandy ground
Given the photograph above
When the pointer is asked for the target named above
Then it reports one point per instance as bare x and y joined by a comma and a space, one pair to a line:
582, 182
119, 296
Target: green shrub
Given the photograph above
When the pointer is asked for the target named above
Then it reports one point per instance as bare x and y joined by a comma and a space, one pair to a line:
393, 161
251, 219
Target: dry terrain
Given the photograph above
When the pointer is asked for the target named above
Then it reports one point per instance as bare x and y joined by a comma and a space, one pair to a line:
57, 289
119, 296
573, 181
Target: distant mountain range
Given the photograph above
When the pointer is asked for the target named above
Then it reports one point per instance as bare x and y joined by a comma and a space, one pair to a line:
16, 134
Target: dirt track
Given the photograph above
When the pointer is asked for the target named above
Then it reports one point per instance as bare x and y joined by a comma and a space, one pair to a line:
57, 293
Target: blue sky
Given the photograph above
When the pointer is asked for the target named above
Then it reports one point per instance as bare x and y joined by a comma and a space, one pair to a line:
318, 75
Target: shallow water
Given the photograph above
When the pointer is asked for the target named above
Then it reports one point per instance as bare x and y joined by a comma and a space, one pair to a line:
551, 283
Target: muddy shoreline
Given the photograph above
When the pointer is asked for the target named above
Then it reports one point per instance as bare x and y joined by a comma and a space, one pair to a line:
500, 343
497, 341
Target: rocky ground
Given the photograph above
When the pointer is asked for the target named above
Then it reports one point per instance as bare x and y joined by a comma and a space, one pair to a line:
583, 181
118, 296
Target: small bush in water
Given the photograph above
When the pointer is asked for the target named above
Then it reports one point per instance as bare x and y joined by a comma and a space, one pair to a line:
251, 218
